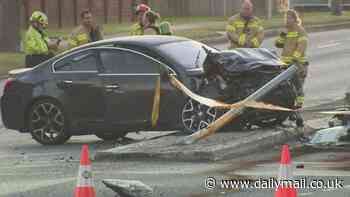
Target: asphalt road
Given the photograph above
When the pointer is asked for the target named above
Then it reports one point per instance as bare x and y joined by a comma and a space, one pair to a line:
30, 170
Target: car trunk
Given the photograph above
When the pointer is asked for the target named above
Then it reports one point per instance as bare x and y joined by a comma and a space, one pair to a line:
18, 72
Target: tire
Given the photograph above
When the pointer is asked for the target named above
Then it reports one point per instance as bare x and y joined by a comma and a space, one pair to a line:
111, 136
286, 99
48, 123
195, 116
272, 122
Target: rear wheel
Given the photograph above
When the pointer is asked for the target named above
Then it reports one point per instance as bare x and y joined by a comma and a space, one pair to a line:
196, 116
111, 136
48, 124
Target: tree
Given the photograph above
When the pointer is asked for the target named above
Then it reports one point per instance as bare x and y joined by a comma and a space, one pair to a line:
9, 25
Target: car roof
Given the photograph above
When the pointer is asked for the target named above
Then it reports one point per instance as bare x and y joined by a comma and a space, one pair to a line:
146, 41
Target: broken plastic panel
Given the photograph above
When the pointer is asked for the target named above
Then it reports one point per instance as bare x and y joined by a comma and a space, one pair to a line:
331, 136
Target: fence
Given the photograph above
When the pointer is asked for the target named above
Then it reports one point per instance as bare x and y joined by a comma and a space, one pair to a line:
317, 3
204, 7
63, 13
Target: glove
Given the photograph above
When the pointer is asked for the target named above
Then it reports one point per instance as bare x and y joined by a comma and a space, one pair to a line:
279, 45
283, 34
284, 66
59, 40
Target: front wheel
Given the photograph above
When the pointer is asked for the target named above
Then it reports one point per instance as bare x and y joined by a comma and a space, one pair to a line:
48, 123
196, 116
272, 122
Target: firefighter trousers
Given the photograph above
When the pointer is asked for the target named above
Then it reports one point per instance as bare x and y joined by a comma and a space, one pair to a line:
299, 79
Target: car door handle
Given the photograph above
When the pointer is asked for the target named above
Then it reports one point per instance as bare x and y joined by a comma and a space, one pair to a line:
65, 84
112, 86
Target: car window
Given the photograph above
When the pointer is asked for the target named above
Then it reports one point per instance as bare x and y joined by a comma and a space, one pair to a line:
189, 54
85, 61
126, 62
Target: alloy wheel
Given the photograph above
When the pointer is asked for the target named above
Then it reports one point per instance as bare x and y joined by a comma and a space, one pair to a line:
47, 124
196, 116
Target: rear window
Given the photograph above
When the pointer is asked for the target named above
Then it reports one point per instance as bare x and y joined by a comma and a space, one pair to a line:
84, 61
125, 62
189, 54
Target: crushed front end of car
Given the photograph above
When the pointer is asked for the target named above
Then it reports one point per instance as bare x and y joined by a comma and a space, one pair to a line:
231, 76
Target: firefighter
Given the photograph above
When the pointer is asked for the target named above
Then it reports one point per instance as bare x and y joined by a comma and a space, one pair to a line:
151, 26
87, 32
245, 30
138, 28
293, 42
37, 44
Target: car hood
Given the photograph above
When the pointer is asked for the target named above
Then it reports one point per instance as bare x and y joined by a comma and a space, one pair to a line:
195, 71
251, 57
18, 72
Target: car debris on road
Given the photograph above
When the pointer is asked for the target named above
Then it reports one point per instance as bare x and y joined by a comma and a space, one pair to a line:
129, 188
338, 133
330, 136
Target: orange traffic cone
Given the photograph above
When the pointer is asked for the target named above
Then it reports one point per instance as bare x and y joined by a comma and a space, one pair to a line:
285, 177
85, 186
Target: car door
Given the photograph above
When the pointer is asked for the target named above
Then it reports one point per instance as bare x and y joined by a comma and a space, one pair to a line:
129, 80
77, 78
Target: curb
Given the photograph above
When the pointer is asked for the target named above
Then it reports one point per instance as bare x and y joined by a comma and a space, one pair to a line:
274, 32
207, 153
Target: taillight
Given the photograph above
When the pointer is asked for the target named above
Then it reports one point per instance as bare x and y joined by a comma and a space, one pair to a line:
8, 84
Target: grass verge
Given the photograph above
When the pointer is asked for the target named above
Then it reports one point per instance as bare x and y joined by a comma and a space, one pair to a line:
9, 61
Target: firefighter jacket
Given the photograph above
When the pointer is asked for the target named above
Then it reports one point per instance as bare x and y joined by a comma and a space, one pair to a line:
36, 42
165, 28
245, 33
137, 30
294, 44
82, 36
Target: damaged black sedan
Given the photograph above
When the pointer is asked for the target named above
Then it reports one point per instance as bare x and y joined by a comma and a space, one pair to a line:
116, 86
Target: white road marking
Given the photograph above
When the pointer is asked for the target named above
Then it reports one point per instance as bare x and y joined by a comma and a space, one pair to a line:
30, 154
39, 164
328, 45
21, 186
32, 174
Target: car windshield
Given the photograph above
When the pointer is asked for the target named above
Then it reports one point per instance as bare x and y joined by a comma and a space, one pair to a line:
187, 53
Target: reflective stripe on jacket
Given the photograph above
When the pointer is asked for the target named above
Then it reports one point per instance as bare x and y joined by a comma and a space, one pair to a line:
81, 36
294, 44
245, 33
137, 30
